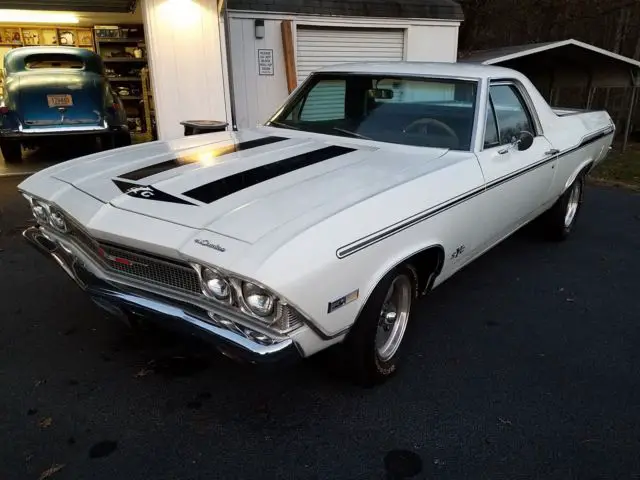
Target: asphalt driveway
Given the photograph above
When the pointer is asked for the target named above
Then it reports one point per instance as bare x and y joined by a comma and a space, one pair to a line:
525, 365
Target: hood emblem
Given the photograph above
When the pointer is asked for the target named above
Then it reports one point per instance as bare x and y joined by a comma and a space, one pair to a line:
144, 192
208, 244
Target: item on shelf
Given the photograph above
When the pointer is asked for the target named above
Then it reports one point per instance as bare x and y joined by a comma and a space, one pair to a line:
123, 91
105, 31
85, 37
138, 52
10, 35
49, 36
31, 37
135, 91
67, 37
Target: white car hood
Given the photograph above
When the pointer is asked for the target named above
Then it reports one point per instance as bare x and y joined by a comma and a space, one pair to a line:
247, 184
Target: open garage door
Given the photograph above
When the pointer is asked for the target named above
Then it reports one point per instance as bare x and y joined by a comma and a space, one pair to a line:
122, 6
321, 47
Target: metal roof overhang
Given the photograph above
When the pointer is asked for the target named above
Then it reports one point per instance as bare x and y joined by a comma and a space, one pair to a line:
570, 62
120, 6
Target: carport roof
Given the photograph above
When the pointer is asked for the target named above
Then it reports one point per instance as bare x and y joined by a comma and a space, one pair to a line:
506, 54
122, 6
435, 9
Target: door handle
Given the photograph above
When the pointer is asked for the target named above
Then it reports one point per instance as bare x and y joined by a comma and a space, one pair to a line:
553, 151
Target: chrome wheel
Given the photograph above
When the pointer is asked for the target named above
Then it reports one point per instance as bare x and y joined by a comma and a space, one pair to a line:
394, 316
573, 203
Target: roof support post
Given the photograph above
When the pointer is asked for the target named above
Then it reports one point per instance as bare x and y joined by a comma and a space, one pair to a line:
627, 128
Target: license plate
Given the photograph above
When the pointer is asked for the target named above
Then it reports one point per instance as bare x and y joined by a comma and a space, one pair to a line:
59, 100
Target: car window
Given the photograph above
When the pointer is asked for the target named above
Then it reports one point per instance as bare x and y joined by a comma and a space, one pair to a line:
491, 137
55, 60
409, 110
511, 113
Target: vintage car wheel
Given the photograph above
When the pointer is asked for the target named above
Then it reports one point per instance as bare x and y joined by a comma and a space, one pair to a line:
373, 344
11, 151
560, 220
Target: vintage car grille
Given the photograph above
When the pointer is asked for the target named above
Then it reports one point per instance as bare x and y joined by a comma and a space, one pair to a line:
141, 266
160, 271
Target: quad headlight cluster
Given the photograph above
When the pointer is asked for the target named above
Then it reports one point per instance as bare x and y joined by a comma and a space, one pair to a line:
47, 214
250, 298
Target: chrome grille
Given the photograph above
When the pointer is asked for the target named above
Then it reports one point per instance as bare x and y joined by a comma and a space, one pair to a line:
164, 272
152, 269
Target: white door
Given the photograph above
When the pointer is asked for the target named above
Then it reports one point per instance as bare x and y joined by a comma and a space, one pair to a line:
321, 47
517, 181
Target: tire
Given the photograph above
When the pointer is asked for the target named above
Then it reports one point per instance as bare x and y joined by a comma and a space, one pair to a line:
373, 360
11, 151
559, 221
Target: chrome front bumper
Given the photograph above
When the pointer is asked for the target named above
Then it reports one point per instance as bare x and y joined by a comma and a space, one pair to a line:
51, 131
123, 300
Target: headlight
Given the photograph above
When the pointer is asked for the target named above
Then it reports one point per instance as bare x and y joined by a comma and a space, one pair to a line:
40, 211
258, 300
215, 285
57, 220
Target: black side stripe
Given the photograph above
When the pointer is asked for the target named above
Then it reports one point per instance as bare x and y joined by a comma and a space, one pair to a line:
223, 187
150, 170
402, 225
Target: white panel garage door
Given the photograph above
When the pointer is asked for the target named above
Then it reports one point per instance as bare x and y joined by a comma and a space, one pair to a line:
321, 47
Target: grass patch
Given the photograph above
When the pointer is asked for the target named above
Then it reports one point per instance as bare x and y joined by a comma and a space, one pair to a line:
620, 169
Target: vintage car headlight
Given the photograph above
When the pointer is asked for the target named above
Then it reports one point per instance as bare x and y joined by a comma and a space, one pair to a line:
215, 285
57, 220
258, 300
40, 211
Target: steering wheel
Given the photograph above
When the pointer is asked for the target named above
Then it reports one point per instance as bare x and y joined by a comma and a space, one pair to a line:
426, 122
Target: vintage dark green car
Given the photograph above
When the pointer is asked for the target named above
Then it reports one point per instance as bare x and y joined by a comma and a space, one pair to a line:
51, 93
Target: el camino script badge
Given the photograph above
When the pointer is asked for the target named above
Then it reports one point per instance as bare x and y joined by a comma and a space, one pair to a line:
208, 244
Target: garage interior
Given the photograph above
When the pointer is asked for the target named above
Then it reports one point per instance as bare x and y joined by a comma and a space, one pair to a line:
111, 28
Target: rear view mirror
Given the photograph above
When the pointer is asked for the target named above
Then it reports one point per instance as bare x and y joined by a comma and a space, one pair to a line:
380, 93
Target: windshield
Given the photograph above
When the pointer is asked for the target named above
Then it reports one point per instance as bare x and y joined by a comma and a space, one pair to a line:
426, 112
53, 60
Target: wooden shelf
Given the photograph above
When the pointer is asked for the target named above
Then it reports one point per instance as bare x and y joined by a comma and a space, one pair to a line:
119, 40
124, 79
124, 60
130, 97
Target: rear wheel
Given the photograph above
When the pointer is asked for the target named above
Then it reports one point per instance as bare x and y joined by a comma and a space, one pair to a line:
559, 221
11, 151
373, 344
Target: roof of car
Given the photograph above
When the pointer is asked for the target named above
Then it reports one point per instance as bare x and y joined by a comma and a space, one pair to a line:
462, 70
14, 60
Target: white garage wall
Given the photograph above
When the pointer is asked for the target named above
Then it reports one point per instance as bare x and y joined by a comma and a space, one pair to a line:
185, 59
257, 97
432, 43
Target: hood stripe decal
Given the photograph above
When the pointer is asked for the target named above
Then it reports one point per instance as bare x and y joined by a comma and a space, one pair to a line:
151, 170
210, 192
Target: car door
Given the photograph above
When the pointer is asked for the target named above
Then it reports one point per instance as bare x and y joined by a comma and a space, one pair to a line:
518, 170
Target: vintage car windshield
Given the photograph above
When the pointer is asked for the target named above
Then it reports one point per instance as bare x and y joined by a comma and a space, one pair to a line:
53, 60
417, 111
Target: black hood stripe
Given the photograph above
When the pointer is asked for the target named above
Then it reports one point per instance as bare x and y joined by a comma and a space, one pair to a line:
223, 187
151, 170
148, 192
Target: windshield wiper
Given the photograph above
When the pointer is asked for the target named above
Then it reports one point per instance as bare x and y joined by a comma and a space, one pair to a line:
353, 134
283, 125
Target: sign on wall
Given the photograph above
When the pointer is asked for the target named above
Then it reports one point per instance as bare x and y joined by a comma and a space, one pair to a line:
265, 61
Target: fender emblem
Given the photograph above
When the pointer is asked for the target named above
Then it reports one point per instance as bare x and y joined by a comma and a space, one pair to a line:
208, 244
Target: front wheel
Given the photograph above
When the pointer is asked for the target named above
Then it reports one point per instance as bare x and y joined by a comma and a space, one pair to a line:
373, 344
560, 220
11, 151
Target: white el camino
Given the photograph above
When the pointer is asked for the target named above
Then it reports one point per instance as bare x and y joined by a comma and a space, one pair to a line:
369, 187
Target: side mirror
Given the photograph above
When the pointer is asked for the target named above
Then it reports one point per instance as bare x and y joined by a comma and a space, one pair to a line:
525, 141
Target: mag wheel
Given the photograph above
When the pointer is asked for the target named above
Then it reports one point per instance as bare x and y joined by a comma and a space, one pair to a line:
560, 220
374, 343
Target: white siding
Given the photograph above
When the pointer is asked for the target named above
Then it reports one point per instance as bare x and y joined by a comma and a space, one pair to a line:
320, 47
257, 97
